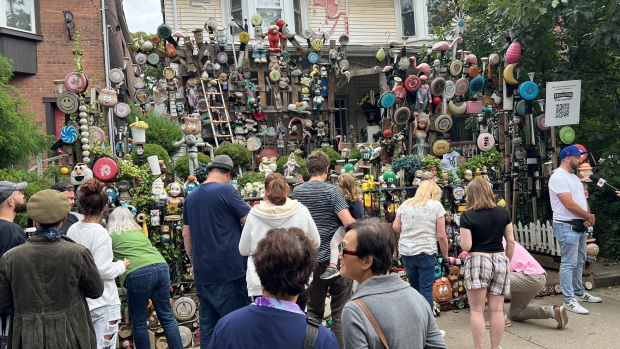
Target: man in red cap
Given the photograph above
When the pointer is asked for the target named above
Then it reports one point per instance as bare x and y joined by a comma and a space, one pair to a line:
571, 220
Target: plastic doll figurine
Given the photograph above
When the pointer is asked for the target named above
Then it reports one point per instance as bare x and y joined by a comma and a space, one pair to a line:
291, 168
421, 125
190, 185
176, 194
259, 52
467, 177
158, 191
418, 177
274, 36
422, 95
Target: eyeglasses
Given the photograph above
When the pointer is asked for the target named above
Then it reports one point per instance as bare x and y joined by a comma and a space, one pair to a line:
344, 251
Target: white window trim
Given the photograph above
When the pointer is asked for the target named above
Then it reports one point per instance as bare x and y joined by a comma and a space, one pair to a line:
249, 9
33, 18
420, 11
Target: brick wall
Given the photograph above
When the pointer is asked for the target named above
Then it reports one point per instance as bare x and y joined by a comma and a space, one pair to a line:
54, 54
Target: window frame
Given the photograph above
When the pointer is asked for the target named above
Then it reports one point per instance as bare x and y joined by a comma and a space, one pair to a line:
249, 9
420, 19
33, 18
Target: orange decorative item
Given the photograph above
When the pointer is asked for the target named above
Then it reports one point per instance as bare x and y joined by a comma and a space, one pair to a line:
455, 273
474, 71
442, 291
170, 50
156, 39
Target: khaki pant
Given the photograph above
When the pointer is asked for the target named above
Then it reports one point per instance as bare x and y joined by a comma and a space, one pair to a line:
523, 288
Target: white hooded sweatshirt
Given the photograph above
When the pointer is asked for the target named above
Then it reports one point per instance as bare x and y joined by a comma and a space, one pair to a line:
264, 217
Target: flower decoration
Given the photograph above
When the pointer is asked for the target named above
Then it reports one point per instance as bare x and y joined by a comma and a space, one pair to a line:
460, 25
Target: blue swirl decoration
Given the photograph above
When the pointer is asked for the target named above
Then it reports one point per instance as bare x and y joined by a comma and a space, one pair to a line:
68, 134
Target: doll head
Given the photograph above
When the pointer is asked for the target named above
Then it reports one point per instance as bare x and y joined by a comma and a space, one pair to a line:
175, 189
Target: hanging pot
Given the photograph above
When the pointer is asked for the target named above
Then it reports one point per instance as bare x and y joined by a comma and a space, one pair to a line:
122, 110
461, 87
437, 86
76, 83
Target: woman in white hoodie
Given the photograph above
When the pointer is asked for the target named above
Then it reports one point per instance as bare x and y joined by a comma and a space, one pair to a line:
276, 210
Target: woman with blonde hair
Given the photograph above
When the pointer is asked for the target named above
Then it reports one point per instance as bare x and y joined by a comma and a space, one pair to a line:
277, 210
487, 266
353, 195
421, 223
147, 278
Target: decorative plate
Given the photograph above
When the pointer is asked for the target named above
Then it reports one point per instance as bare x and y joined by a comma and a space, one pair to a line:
387, 100
68, 134
138, 82
96, 134
122, 110
443, 123
164, 31
440, 147
274, 75
186, 336
521, 108
567, 135
68, 102
344, 64
540, 122
313, 57
485, 141
413, 83
449, 90
461, 87
244, 37
202, 105
184, 309
259, 115
476, 85
456, 67
75, 82
105, 169
141, 58
528, 90
256, 20
254, 143
317, 44
222, 57
437, 86
141, 96
169, 73
116, 75
153, 58
402, 115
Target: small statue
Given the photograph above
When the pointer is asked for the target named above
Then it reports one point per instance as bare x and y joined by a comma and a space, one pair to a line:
422, 95
111, 196
421, 125
321, 130
124, 196
418, 177
264, 166
259, 53
485, 174
478, 174
176, 194
317, 102
190, 185
192, 128
158, 191
155, 217
220, 36
291, 168
274, 36
352, 135
467, 177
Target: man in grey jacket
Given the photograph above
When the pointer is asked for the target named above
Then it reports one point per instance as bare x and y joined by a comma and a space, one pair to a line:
401, 313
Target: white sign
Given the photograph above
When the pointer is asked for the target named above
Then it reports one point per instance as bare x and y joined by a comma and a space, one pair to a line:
562, 103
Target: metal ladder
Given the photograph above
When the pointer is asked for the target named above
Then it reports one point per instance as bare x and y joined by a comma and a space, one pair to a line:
226, 120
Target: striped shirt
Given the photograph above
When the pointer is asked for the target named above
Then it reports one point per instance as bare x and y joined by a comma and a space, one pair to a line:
324, 201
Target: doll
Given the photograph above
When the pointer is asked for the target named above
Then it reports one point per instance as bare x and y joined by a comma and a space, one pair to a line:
422, 95
421, 125
176, 194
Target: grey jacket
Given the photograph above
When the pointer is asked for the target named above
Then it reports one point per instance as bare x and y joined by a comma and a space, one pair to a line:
402, 313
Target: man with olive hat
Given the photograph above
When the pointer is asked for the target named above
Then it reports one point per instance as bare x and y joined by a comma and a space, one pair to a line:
571, 220
51, 276
212, 218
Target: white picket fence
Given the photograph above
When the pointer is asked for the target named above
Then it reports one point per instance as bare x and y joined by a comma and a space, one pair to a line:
537, 237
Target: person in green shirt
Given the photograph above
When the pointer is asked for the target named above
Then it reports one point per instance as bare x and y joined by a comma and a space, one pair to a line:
146, 278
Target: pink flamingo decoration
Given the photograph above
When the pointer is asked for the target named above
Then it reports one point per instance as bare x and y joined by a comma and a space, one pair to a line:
385, 69
424, 67
339, 142
444, 46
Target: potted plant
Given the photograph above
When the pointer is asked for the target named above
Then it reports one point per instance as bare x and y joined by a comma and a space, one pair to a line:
138, 132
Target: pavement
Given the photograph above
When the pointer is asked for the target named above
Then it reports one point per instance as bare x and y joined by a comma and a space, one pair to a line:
599, 329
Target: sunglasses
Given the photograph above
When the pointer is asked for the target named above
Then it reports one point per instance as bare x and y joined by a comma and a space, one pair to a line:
344, 251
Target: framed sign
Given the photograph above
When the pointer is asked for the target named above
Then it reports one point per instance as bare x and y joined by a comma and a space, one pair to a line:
562, 103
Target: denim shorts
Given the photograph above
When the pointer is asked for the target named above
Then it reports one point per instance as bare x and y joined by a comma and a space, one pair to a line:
490, 271
102, 317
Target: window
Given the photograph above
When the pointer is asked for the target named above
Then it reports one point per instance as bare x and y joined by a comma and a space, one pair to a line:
412, 19
18, 14
407, 17
294, 12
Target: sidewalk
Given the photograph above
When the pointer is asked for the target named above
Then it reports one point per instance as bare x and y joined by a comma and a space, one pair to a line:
599, 329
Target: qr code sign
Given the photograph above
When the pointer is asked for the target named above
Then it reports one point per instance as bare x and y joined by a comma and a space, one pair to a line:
561, 110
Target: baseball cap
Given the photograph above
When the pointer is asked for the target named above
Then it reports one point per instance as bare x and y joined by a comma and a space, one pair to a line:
7, 188
570, 151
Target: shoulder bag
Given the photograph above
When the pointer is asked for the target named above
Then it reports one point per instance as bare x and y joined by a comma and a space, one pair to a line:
373, 322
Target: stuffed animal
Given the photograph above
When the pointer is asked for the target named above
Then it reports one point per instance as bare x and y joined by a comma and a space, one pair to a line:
274, 36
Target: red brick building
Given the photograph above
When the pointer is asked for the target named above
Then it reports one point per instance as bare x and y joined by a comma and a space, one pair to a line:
41, 48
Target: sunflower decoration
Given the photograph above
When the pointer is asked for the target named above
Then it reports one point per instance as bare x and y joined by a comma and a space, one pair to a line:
173, 208
459, 23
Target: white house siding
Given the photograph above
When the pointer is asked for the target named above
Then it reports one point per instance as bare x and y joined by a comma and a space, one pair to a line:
191, 16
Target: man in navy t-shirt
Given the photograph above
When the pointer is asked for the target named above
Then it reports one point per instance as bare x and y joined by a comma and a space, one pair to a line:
212, 218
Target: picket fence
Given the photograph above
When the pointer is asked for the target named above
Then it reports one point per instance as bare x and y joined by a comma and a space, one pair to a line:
537, 237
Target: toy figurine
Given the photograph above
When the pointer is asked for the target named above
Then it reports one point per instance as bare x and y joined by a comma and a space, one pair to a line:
485, 173
291, 168
421, 125
220, 36
192, 140
224, 81
190, 185
418, 177
467, 177
176, 194
259, 53
274, 36
124, 196
158, 191
111, 196
317, 102
155, 217
422, 95
264, 166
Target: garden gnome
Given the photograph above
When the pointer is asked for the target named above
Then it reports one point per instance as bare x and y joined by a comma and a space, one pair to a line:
158, 191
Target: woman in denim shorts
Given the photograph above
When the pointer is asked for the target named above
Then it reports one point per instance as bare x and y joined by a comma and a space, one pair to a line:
487, 266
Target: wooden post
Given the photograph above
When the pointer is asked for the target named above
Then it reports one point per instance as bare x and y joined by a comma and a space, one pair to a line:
261, 82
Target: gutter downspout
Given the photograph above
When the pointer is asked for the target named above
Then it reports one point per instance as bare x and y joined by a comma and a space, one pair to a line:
106, 68
174, 15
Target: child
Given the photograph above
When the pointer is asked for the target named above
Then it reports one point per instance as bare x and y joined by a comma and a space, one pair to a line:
353, 194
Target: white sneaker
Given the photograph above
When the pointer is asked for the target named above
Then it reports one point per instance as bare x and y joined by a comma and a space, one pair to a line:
586, 297
443, 333
575, 307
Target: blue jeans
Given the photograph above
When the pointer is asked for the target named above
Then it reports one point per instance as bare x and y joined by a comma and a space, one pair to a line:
151, 282
421, 273
573, 248
216, 301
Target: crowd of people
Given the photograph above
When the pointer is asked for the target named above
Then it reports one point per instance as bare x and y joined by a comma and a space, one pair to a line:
262, 273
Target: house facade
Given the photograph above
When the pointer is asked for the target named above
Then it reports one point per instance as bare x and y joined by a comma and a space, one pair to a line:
39, 37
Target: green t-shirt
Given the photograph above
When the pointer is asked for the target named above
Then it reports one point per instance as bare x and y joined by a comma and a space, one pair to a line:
137, 248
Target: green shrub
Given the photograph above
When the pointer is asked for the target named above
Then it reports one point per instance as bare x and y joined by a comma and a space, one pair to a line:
333, 156
181, 165
162, 130
356, 154
410, 164
489, 159
150, 150
239, 154
429, 161
303, 170
35, 184
249, 177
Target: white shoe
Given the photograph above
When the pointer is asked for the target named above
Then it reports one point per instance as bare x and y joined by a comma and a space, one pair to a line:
586, 297
443, 333
575, 307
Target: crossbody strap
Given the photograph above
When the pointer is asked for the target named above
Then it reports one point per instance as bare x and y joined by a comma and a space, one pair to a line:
312, 334
373, 322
